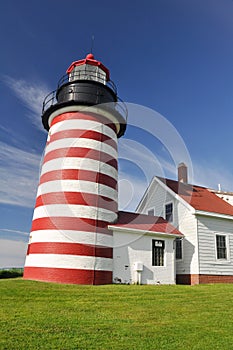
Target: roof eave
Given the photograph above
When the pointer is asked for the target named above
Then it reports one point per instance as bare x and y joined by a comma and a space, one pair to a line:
212, 214
143, 232
175, 195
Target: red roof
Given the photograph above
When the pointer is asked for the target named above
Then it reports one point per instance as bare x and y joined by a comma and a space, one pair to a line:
143, 222
200, 198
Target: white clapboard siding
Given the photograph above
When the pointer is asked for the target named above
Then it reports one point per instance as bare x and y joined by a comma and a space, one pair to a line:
156, 199
188, 226
183, 219
138, 248
208, 227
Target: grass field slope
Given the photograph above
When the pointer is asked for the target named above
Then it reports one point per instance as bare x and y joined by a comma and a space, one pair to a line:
36, 315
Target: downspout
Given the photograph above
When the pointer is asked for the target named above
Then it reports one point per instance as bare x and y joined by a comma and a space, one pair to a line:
198, 250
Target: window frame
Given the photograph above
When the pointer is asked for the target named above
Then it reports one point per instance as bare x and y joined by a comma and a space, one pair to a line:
172, 213
180, 239
154, 249
150, 209
222, 260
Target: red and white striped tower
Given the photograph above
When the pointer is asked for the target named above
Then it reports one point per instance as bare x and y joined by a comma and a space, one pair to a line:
77, 194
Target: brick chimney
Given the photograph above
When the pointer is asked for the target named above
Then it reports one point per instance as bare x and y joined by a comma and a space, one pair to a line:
182, 173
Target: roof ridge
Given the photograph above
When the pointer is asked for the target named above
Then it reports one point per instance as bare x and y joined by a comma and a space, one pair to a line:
199, 197
181, 183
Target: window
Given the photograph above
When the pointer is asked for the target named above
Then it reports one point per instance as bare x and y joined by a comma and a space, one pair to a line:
158, 252
221, 247
169, 212
151, 212
178, 248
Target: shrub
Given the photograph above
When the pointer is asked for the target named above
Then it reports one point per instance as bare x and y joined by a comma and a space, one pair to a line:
11, 273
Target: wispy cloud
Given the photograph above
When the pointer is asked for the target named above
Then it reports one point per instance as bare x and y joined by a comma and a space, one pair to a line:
15, 235
143, 158
132, 187
133, 183
19, 175
14, 231
31, 95
131, 190
210, 175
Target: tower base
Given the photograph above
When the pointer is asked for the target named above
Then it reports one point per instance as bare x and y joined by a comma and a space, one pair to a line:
69, 276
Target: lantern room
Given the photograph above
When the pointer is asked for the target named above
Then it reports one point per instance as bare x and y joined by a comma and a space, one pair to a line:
86, 83
88, 69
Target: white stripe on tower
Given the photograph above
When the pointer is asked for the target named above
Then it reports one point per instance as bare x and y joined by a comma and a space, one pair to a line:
74, 210
79, 163
81, 126
82, 143
69, 261
71, 236
76, 200
78, 186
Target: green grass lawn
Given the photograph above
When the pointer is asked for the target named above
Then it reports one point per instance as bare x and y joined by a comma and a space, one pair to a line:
35, 315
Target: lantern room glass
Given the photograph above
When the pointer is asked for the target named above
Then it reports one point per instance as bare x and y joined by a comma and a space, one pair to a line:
88, 72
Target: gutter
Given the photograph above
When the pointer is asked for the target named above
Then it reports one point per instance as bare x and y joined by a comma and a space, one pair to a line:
144, 232
212, 214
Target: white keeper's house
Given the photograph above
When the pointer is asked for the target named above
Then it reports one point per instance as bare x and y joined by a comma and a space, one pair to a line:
144, 249
205, 217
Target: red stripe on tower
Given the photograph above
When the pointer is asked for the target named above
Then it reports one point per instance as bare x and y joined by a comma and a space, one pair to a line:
70, 276
70, 174
76, 198
74, 133
77, 194
70, 249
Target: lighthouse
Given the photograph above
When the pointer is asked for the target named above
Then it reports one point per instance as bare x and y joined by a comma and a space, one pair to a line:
77, 197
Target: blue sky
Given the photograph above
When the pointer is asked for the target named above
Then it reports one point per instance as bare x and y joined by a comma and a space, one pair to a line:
173, 57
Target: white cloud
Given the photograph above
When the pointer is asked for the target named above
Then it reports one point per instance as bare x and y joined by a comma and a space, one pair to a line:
150, 163
19, 175
12, 253
31, 95
132, 186
210, 175
153, 125
14, 231
13, 235
130, 191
